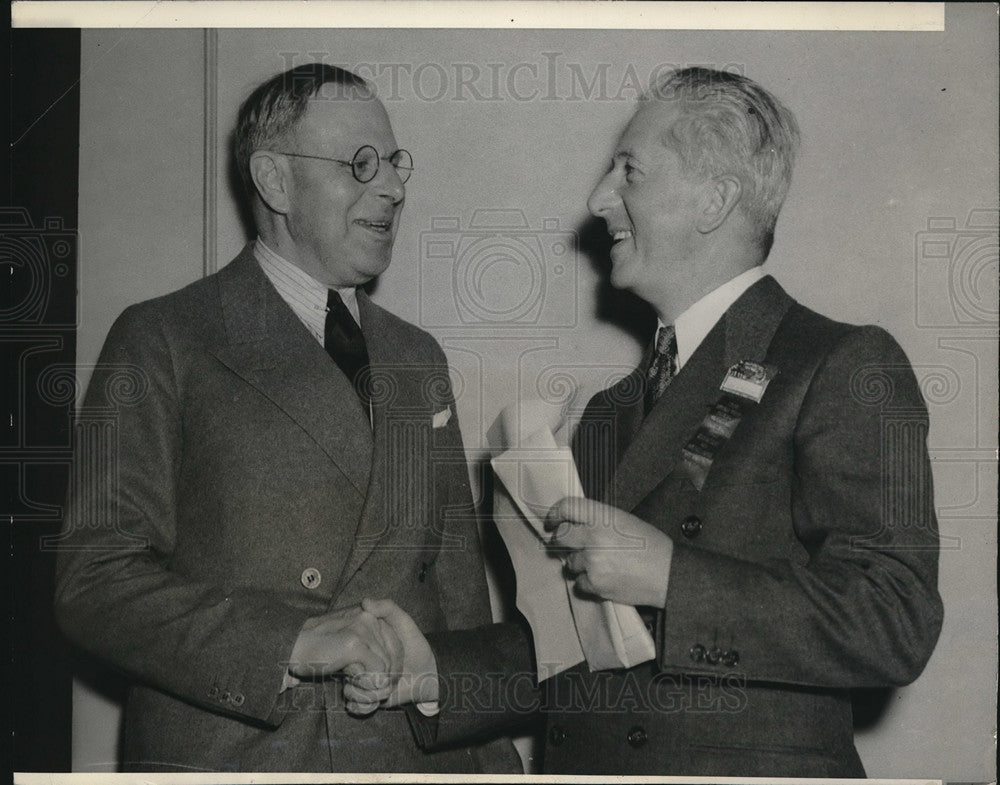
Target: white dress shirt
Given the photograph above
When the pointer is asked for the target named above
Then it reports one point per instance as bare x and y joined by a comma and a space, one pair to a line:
304, 294
696, 322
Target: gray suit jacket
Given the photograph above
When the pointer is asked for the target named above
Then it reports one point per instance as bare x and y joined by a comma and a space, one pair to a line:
228, 485
806, 565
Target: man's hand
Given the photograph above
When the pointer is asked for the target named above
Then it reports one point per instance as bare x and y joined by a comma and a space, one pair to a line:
353, 641
614, 555
417, 681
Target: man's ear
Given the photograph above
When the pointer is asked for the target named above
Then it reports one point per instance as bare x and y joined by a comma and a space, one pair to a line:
271, 178
723, 195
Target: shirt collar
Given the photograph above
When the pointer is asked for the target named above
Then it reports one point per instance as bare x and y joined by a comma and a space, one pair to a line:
288, 277
696, 322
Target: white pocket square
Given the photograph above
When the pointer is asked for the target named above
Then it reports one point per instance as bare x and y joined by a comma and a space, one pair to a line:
441, 418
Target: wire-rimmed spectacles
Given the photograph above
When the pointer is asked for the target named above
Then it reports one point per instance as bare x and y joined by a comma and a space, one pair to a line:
365, 163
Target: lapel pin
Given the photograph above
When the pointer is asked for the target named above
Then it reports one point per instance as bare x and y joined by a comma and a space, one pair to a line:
748, 380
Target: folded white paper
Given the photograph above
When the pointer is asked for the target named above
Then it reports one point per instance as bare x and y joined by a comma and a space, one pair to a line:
541, 591
567, 627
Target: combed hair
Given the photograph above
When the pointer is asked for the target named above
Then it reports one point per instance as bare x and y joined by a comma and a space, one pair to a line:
273, 109
729, 124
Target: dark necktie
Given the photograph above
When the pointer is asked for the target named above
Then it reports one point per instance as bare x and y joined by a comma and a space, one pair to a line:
345, 343
661, 367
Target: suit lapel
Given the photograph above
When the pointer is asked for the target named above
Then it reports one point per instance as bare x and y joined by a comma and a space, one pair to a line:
269, 348
656, 447
752, 321
743, 333
629, 396
385, 361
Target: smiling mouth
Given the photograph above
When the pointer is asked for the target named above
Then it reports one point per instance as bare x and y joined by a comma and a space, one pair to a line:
621, 234
381, 227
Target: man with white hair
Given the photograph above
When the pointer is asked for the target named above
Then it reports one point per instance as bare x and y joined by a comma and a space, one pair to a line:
759, 487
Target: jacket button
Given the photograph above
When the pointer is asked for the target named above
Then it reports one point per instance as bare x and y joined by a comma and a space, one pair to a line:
713, 655
239, 699
213, 691
698, 652
691, 527
730, 658
311, 577
556, 735
422, 575
637, 737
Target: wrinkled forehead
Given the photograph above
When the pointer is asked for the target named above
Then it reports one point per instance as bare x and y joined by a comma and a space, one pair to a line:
341, 123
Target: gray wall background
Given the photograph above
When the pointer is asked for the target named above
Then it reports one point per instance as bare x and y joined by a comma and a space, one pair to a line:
900, 155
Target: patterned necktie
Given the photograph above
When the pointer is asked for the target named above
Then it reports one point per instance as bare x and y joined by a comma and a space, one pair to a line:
345, 343
661, 367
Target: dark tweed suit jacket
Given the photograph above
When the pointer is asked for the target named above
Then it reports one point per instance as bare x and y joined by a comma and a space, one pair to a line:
804, 567
245, 491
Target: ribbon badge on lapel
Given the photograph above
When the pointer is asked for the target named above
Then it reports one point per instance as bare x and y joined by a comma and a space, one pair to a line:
742, 389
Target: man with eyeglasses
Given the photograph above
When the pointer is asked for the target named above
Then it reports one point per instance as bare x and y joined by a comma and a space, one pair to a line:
288, 467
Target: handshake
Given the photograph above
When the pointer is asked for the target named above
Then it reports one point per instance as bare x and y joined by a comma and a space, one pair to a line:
385, 659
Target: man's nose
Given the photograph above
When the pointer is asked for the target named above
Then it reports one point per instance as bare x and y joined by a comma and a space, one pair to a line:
388, 183
604, 196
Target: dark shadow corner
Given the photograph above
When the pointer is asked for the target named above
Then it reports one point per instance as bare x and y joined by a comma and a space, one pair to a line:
870, 705
614, 306
98, 677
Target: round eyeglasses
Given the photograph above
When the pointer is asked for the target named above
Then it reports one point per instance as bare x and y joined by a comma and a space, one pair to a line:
364, 165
